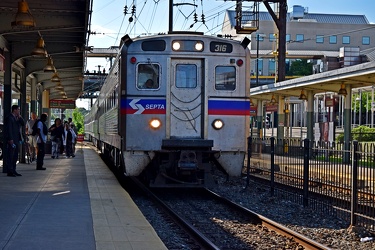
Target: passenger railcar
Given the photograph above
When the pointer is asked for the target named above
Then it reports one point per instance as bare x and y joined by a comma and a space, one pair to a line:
173, 106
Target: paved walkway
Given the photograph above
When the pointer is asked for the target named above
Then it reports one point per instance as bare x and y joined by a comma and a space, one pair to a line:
76, 203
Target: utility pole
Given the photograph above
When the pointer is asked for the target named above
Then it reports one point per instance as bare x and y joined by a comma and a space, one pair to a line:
257, 65
280, 22
170, 16
171, 4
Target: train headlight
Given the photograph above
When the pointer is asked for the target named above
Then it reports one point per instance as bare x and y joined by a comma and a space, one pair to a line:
155, 123
176, 45
199, 46
217, 124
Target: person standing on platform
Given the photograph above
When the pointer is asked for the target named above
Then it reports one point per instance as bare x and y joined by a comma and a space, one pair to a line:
32, 139
41, 138
69, 137
57, 130
13, 137
74, 128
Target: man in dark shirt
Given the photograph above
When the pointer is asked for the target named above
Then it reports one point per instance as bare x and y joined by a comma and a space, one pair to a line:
41, 136
13, 137
57, 130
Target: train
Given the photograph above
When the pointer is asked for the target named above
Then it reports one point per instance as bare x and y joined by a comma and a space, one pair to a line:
174, 107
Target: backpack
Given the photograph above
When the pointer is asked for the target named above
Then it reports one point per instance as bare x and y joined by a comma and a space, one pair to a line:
35, 128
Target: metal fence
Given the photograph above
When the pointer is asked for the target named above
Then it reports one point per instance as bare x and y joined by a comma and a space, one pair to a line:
337, 179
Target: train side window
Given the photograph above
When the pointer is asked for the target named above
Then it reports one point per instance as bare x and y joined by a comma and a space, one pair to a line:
186, 76
225, 78
116, 96
148, 76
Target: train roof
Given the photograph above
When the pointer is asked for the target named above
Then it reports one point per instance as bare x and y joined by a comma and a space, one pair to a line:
178, 34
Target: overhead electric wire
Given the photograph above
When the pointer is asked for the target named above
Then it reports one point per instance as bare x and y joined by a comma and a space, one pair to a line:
105, 6
118, 33
137, 20
156, 5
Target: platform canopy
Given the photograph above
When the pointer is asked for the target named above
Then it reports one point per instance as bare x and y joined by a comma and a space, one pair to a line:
63, 26
357, 76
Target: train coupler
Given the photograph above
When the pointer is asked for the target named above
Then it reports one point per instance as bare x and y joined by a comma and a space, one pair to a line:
188, 160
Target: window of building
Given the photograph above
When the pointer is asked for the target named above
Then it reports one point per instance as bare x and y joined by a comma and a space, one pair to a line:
287, 38
260, 36
299, 38
225, 78
319, 39
272, 67
366, 40
148, 76
333, 39
287, 65
186, 76
260, 66
272, 37
346, 40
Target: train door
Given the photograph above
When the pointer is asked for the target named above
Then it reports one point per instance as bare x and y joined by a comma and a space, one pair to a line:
186, 99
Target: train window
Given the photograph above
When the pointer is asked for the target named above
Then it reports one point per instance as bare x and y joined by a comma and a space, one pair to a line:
225, 78
186, 76
116, 96
148, 76
155, 45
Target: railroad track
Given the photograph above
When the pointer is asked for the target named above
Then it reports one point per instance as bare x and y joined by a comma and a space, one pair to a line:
231, 227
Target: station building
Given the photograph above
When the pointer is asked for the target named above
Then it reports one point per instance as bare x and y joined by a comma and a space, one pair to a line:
327, 41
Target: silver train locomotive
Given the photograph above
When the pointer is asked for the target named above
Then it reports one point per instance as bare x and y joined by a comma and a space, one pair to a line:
174, 106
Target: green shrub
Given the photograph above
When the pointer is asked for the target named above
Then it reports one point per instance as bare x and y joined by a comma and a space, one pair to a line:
361, 134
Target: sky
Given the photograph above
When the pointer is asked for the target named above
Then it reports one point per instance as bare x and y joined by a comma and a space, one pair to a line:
109, 23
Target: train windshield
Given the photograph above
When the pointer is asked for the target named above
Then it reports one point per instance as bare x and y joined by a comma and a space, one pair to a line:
186, 76
148, 76
225, 78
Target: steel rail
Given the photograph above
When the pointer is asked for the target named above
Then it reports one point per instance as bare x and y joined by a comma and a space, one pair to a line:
306, 242
200, 239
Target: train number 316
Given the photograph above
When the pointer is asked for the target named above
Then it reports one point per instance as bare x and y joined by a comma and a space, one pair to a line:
220, 48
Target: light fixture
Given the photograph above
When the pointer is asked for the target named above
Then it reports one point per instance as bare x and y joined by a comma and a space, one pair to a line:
251, 103
273, 100
39, 50
55, 77
217, 124
342, 90
59, 86
176, 45
302, 96
155, 123
49, 67
199, 46
23, 17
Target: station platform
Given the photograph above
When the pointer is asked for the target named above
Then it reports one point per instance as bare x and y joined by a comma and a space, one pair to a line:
76, 203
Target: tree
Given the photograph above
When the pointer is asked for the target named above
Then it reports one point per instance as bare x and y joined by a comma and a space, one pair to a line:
364, 100
78, 120
300, 67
